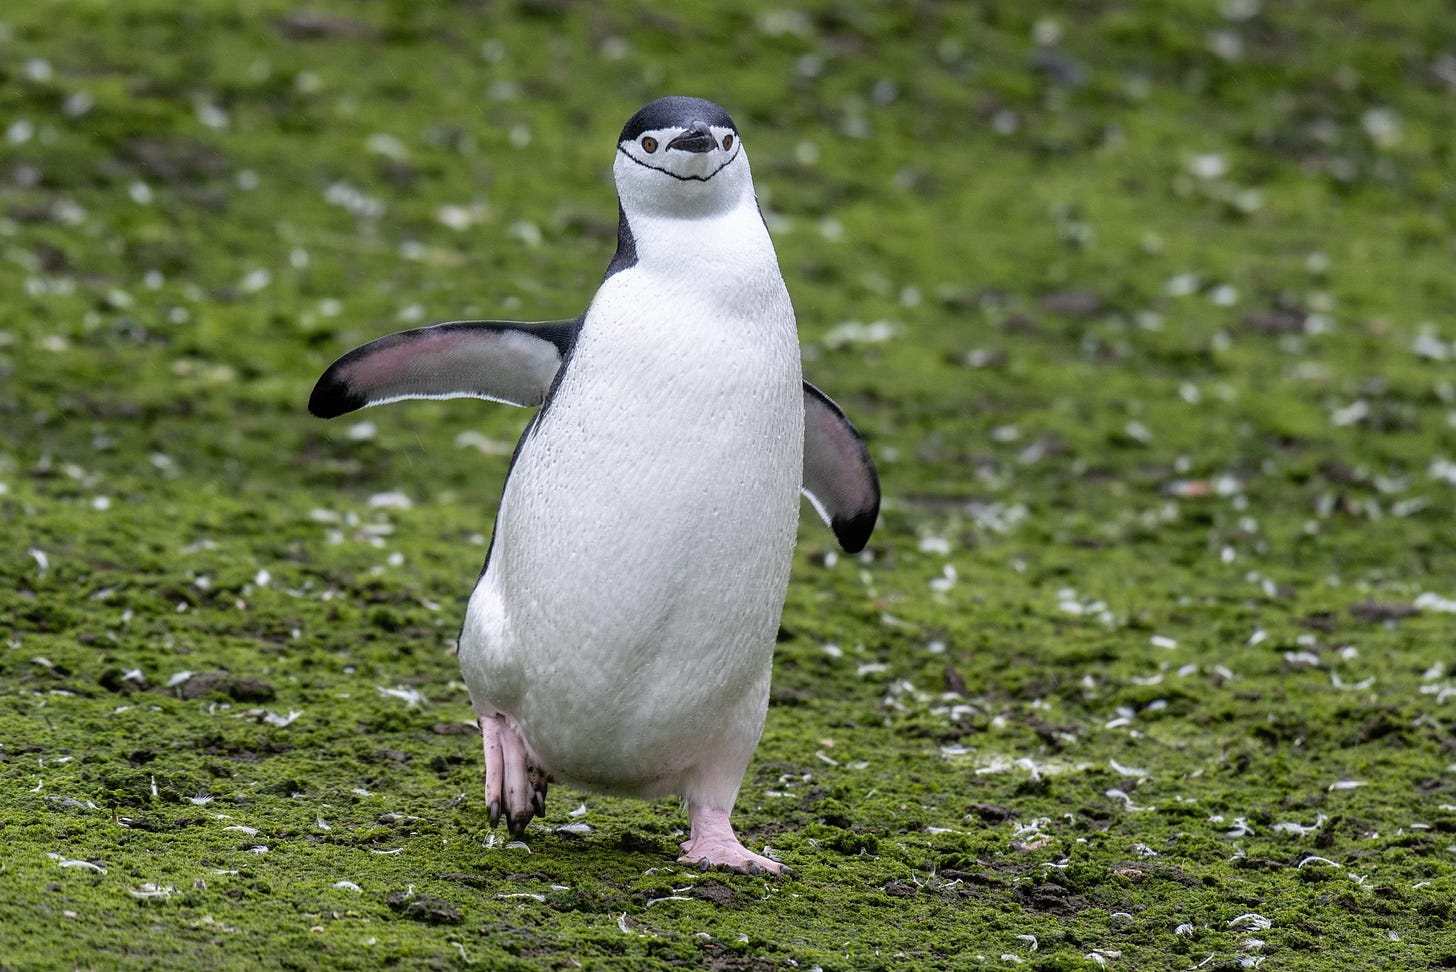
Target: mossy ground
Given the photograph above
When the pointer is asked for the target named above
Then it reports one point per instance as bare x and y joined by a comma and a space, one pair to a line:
1150, 662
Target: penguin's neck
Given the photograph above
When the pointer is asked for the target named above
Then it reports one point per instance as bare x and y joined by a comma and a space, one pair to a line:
730, 249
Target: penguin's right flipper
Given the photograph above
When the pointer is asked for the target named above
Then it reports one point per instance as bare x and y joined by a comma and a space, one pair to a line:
503, 361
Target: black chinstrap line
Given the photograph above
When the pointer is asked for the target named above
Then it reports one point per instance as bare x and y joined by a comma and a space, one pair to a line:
680, 178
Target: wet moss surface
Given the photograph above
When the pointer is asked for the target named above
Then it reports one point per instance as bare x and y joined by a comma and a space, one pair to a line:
1145, 311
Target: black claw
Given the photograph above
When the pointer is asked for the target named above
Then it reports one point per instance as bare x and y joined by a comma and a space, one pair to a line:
493, 812
538, 800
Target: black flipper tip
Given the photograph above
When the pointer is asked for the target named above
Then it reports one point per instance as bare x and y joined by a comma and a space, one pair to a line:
854, 532
332, 398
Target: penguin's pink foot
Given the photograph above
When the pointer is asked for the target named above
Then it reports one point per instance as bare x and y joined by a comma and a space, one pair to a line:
514, 786
712, 843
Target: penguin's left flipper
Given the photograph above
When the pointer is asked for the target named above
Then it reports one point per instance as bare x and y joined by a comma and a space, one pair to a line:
839, 476
504, 361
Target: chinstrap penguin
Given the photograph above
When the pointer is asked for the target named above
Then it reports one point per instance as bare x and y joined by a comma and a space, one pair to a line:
621, 633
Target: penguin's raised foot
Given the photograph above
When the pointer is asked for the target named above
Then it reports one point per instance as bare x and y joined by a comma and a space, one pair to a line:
713, 844
514, 786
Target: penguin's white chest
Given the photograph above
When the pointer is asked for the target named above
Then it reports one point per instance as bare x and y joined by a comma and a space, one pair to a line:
627, 616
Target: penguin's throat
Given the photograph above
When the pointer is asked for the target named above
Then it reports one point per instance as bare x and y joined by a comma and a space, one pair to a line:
736, 237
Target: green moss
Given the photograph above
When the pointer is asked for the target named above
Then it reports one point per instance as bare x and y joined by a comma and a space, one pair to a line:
1132, 676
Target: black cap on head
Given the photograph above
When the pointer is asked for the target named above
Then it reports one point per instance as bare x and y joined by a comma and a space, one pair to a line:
675, 112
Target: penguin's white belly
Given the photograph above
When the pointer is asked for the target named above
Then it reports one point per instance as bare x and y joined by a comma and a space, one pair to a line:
627, 617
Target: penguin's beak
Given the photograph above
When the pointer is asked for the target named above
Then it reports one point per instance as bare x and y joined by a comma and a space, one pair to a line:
695, 139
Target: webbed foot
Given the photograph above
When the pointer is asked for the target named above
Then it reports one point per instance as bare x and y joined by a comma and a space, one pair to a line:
515, 787
713, 844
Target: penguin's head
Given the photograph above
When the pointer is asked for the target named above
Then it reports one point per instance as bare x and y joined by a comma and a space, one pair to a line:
681, 157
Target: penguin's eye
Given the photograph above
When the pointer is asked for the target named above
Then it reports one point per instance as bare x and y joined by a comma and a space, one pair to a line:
649, 143
727, 142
